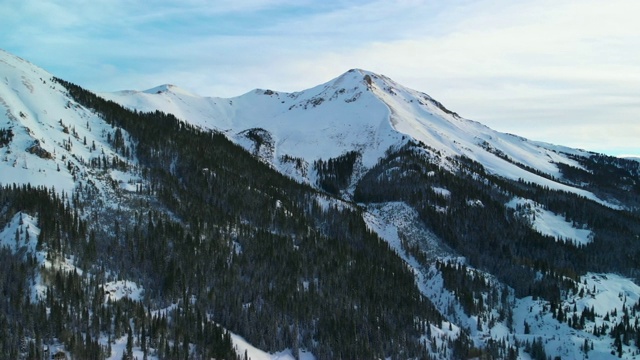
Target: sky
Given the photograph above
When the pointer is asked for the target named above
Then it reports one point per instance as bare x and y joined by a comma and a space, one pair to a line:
560, 71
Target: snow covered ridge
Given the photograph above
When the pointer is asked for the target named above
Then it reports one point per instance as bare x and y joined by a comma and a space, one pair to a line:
47, 138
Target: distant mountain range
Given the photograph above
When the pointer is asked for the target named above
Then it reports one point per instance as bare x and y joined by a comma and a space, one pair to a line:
355, 219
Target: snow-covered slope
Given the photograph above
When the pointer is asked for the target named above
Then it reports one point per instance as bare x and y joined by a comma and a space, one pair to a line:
357, 111
547, 223
47, 138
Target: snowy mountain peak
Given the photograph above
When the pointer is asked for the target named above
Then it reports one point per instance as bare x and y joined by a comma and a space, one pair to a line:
356, 83
353, 77
360, 77
166, 88
352, 84
347, 88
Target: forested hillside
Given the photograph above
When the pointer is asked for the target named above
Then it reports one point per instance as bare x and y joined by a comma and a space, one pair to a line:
474, 220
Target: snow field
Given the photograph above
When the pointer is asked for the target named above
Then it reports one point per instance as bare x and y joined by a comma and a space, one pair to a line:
548, 223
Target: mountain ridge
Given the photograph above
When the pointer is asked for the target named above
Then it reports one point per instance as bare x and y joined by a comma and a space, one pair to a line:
368, 113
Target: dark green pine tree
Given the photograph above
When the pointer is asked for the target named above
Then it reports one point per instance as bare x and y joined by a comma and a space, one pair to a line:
128, 353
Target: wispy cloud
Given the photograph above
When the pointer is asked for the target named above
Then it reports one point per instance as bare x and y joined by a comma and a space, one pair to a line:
560, 71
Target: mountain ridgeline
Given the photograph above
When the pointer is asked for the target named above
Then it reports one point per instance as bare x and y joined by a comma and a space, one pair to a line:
355, 220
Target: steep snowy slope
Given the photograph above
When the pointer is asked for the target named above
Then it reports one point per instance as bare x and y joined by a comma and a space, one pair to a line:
46, 138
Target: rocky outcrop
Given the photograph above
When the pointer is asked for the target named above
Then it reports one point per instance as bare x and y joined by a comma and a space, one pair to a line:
39, 151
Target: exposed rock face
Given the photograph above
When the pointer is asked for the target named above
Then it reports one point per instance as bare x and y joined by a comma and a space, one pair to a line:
37, 150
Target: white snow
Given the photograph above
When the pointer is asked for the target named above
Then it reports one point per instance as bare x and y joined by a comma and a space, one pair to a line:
475, 203
548, 223
445, 193
396, 221
25, 244
117, 290
20, 234
118, 348
126, 180
42, 116
243, 347
611, 292
605, 292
